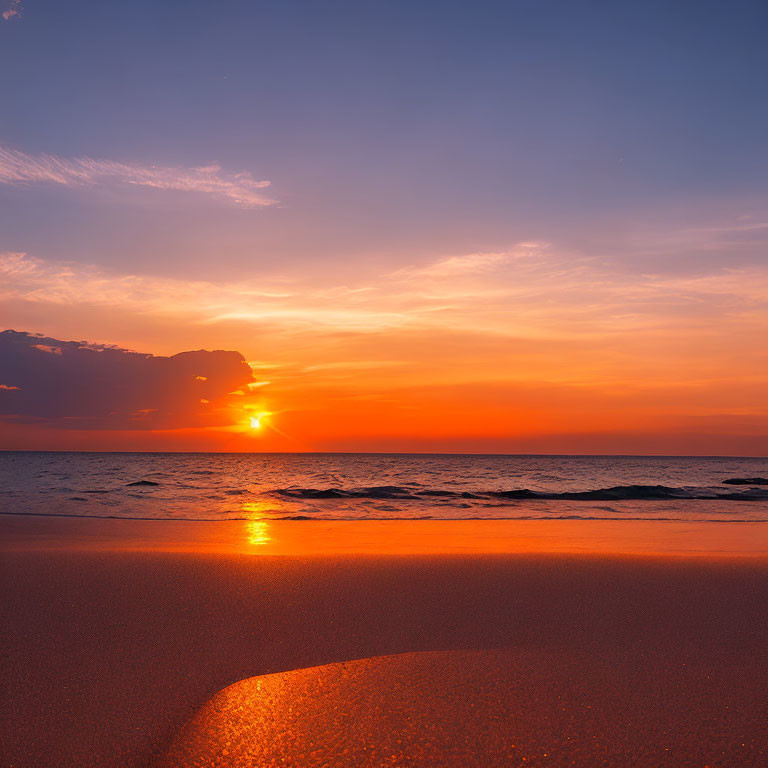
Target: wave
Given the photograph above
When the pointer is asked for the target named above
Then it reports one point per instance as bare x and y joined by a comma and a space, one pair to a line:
746, 481
614, 493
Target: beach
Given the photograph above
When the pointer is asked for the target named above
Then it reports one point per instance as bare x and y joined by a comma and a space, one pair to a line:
112, 641
383, 384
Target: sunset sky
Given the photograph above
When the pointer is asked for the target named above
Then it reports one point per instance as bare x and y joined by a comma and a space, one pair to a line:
413, 226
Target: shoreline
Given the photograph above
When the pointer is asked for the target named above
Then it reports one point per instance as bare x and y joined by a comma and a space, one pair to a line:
395, 453
387, 537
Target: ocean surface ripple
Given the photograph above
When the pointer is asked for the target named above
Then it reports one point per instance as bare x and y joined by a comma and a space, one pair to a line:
383, 486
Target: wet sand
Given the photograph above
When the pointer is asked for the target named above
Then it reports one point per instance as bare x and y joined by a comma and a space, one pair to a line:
110, 648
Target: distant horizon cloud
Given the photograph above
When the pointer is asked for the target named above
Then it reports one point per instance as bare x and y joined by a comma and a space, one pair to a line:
240, 188
79, 385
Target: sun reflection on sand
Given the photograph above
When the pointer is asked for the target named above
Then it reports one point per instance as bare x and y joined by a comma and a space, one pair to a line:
267, 535
493, 708
258, 533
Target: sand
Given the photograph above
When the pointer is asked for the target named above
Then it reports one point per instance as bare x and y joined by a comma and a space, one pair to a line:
656, 660
487, 708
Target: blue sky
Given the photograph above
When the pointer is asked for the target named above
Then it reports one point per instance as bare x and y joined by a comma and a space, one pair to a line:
388, 130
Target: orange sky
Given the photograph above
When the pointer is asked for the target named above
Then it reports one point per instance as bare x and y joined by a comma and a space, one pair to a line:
495, 227
525, 350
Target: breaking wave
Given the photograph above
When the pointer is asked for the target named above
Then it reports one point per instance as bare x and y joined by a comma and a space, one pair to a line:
614, 493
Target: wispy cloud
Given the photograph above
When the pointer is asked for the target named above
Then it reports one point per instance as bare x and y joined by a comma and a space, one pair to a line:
12, 9
262, 301
472, 263
240, 188
531, 292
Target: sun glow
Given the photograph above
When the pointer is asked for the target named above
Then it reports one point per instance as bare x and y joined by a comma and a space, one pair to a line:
258, 421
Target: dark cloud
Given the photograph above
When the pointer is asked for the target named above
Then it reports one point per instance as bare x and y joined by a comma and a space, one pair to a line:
89, 386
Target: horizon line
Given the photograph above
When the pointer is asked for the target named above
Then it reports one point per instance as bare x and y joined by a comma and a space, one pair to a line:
402, 453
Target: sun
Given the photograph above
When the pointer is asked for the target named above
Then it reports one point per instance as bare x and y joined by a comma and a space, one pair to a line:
259, 421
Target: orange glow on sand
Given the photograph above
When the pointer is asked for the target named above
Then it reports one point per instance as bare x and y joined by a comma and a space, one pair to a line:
310, 538
510, 706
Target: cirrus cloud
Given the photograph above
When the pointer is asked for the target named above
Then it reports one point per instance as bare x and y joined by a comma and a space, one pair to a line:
525, 292
239, 188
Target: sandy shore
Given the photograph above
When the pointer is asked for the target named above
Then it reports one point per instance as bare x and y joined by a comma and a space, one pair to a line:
109, 650
490, 708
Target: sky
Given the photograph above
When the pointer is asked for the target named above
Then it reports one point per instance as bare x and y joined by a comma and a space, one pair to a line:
494, 227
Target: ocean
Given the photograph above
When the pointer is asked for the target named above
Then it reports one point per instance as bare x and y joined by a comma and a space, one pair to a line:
262, 486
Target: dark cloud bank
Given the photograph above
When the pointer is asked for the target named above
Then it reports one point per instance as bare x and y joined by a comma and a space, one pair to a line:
90, 386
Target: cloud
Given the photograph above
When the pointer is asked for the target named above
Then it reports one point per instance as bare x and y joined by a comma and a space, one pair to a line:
472, 263
11, 10
239, 188
78, 385
530, 293
262, 301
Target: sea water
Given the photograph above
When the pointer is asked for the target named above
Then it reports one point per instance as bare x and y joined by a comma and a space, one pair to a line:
252, 486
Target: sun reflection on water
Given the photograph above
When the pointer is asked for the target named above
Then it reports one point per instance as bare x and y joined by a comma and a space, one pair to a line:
257, 509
